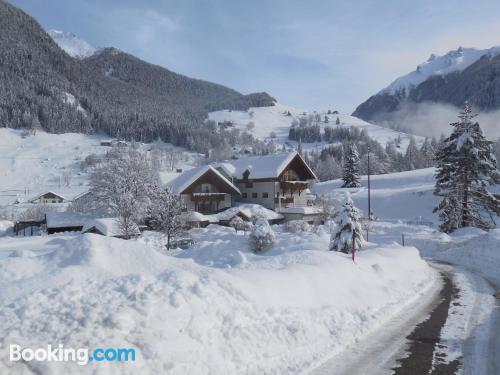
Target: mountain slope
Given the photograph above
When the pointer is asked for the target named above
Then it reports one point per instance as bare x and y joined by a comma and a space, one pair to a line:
42, 86
71, 44
463, 75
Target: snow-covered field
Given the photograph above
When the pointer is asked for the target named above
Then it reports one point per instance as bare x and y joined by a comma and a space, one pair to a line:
214, 309
33, 165
405, 196
274, 119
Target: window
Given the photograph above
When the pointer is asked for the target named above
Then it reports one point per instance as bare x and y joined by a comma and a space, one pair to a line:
243, 195
265, 195
249, 185
254, 195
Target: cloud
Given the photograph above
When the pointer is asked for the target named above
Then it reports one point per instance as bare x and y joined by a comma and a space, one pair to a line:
433, 119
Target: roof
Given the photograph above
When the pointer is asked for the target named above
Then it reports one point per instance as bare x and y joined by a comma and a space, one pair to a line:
108, 226
265, 166
47, 192
66, 219
182, 182
307, 210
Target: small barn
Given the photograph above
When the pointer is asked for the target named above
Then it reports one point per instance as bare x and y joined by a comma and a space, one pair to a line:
48, 197
108, 226
58, 222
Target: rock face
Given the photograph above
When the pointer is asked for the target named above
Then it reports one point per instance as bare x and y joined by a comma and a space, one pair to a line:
109, 91
72, 44
459, 76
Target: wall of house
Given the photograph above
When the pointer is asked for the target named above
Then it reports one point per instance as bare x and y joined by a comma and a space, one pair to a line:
272, 188
259, 188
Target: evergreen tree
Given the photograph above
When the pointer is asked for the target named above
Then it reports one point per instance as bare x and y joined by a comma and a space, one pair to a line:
427, 152
348, 229
412, 155
351, 167
465, 167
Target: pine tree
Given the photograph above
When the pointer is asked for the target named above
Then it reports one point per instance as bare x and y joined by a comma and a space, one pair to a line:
351, 167
348, 228
465, 167
412, 155
427, 152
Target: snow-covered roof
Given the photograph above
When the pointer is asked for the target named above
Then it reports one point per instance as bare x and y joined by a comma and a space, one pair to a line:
45, 193
108, 226
247, 209
182, 182
266, 166
307, 210
66, 219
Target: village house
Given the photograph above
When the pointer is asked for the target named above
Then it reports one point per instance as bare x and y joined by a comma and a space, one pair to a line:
278, 182
48, 197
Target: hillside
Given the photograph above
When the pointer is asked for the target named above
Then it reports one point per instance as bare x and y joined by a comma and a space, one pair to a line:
465, 74
267, 120
41, 86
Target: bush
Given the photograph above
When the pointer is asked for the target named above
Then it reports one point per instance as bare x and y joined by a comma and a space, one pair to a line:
295, 226
262, 236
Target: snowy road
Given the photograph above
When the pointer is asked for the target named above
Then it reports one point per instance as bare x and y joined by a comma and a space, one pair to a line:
420, 338
378, 353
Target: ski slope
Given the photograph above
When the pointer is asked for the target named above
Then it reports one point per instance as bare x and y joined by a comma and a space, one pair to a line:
274, 119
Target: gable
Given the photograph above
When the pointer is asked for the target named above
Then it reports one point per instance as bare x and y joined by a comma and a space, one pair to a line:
297, 169
211, 177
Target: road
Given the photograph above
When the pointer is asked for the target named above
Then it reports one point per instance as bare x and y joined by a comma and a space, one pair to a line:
454, 326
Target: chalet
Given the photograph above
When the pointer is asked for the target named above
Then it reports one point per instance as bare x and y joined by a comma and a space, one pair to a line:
58, 222
205, 189
48, 197
108, 226
276, 182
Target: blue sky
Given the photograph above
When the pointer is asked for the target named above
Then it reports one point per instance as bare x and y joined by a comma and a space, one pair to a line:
310, 54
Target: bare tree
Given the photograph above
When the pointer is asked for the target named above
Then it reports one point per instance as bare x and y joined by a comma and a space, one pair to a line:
164, 213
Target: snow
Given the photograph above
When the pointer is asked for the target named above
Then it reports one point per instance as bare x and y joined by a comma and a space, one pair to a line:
33, 165
232, 310
273, 119
403, 196
72, 44
66, 219
108, 226
453, 61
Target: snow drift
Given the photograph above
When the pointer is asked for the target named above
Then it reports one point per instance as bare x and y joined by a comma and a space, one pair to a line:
264, 314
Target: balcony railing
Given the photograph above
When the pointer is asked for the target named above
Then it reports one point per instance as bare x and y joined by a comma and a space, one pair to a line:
208, 196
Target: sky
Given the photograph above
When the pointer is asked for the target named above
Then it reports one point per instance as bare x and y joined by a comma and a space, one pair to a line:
309, 54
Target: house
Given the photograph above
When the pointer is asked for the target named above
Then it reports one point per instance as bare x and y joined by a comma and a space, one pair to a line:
108, 226
276, 182
48, 197
83, 200
205, 189
58, 222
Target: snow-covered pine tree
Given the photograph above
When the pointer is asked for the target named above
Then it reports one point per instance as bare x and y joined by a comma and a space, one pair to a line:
466, 166
427, 151
164, 213
351, 167
348, 228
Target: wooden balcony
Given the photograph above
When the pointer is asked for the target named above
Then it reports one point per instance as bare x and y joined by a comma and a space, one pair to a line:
294, 185
208, 197
284, 200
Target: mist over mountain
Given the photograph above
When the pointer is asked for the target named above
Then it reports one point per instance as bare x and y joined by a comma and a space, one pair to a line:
110, 91
466, 74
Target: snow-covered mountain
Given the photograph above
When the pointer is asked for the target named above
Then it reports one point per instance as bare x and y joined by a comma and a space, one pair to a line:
72, 44
465, 74
453, 61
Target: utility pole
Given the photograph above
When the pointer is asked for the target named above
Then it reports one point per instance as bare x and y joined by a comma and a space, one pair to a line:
369, 192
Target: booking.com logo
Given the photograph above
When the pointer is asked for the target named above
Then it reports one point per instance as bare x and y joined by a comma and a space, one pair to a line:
81, 356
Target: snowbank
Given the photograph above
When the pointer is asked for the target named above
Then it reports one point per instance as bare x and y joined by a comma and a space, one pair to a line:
275, 313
